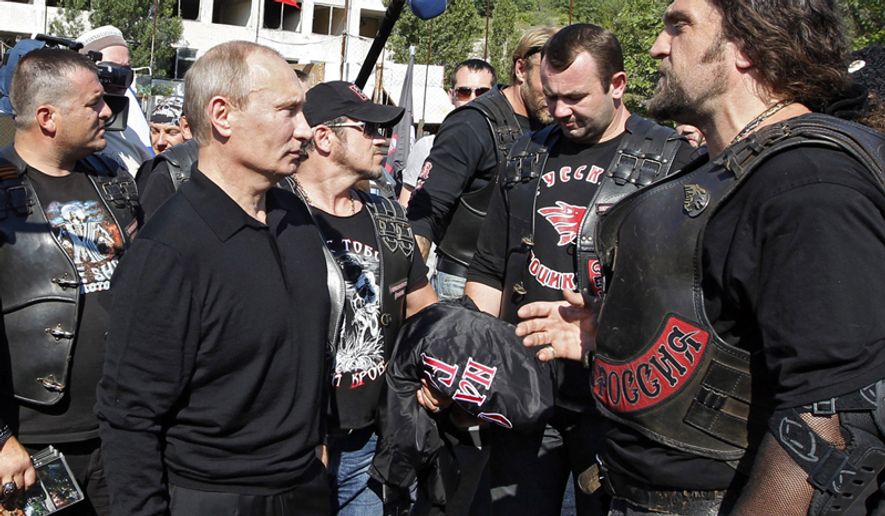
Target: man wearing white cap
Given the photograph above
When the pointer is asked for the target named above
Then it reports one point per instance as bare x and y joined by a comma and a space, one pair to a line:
132, 146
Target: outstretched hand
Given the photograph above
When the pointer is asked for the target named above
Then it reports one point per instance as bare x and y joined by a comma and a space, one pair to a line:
561, 329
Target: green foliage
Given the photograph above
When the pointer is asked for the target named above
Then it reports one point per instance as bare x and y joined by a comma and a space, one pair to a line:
637, 24
135, 20
68, 22
866, 18
445, 40
503, 36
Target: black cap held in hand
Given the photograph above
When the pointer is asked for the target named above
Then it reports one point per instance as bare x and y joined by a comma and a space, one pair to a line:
329, 100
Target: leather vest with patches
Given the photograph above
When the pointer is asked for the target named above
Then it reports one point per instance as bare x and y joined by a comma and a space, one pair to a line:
459, 242
660, 368
644, 155
41, 294
394, 237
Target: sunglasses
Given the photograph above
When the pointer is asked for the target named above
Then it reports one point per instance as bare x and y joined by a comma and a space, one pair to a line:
368, 128
464, 93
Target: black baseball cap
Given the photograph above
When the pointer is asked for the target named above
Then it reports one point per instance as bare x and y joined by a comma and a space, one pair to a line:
330, 100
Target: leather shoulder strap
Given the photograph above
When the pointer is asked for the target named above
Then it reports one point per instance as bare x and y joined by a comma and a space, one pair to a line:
529, 154
645, 154
16, 197
391, 225
502, 120
180, 159
861, 142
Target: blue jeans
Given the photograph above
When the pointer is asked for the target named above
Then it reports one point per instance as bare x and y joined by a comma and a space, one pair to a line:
448, 286
350, 456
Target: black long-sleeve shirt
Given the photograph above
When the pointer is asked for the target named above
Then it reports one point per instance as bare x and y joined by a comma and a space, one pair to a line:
462, 160
214, 373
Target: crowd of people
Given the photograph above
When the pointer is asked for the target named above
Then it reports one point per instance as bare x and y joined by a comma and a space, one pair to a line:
229, 321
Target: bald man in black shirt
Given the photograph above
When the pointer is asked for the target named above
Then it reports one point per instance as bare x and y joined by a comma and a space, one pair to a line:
213, 389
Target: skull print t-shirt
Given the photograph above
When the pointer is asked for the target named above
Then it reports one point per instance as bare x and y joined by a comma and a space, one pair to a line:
362, 353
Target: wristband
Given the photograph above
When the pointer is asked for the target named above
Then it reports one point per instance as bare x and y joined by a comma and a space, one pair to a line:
5, 434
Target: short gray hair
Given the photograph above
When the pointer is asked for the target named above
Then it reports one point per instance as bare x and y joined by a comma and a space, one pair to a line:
41, 78
222, 71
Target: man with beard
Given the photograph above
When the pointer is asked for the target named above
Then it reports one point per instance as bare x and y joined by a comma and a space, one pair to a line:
66, 217
739, 347
456, 182
385, 277
211, 399
535, 237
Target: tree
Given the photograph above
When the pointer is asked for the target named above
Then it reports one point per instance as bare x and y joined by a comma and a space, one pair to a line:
69, 22
867, 21
636, 23
135, 20
503, 36
452, 36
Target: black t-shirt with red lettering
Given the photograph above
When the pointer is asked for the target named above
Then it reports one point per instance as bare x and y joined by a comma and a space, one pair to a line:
569, 182
565, 189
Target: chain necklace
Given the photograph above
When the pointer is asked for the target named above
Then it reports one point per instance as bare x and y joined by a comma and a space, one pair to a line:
303, 194
754, 123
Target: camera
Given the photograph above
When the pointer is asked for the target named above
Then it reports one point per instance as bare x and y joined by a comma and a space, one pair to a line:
114, 78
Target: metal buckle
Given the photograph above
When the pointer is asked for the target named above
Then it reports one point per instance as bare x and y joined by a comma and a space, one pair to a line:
824, 408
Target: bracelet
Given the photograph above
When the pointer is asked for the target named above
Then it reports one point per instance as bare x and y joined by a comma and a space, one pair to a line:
5, 434
587, 359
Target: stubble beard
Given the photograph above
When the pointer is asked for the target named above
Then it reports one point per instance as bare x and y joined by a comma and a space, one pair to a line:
671, 99
534, 104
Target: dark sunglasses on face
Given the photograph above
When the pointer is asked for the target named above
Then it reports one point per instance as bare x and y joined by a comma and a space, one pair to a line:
368, 128
464, 93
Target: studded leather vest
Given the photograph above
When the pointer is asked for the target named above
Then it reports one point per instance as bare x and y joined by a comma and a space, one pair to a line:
660, 368
397, 244
459, 242
645, 154
39, 284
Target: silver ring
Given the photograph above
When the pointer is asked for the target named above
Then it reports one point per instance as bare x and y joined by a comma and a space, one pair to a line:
9, 488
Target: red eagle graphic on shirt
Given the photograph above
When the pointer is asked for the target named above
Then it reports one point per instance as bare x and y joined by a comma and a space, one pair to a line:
565, 219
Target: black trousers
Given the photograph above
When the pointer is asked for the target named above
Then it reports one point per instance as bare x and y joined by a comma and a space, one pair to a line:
310, 497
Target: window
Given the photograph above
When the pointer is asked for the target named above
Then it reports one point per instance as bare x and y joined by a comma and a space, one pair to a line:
281, 16
189, 9
328, 20
231, 12
370, 21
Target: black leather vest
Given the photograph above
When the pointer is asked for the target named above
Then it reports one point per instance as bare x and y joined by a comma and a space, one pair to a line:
645, 154
180, 159
397, 244
459, 242
41, 292
660, 368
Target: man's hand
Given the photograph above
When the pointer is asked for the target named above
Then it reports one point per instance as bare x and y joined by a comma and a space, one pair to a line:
431, 399
562, 329
16, 466
423, 246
